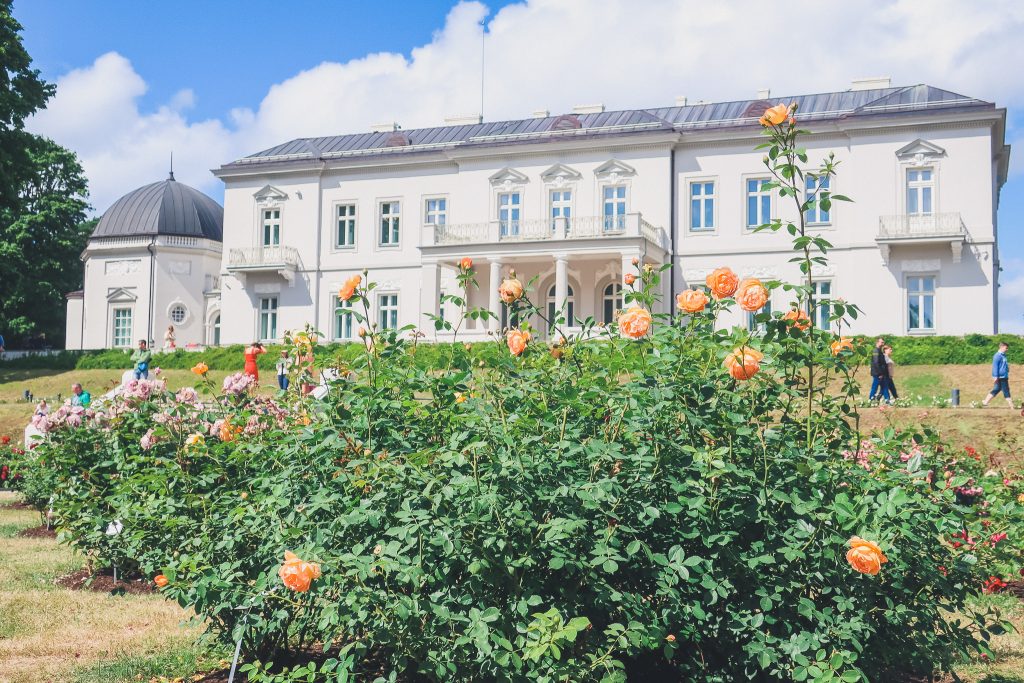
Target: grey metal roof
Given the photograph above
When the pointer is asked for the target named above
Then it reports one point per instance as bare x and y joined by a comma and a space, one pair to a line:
823, 106
164, 208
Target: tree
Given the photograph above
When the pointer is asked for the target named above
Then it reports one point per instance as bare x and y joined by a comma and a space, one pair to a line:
42, 202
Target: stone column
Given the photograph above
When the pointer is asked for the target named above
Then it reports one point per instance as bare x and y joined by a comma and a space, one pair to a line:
493, 300
562, 285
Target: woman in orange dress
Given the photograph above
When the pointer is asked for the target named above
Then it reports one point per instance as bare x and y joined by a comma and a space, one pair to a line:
254, 350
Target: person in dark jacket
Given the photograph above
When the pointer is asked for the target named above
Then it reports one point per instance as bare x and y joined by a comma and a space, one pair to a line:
879, 372
1000, 376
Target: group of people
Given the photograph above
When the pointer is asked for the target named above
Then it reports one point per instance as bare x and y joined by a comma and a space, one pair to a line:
883, 384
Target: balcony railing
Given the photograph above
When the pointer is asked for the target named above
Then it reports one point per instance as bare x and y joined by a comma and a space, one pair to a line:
548, 229
280, 259
911, 226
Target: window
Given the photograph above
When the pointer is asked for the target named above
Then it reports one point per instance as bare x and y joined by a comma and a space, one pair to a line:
570, 307
702, 206
342, 319
268, 317
436, 212
759, 202
561, 205
508, 317
755, 325
820, 313
390, 215
440, 305
122, 333
508, 213
920, 189
612, 302
816, 215
921, 303
387, 310
271, 227
178, 314
346, 235
614, 211
216, 331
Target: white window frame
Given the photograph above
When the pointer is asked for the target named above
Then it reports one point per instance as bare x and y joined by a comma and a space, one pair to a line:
920, 294
618, 219
184, 313
817, 210
570, 308
272, 315
820, 313
704, 229
755, 325
266, 223
564, 207
114, 337
347, 329
430, 216
394, 222
615, 298
394, 308
351, 219
507, 223
918, 187
761, 194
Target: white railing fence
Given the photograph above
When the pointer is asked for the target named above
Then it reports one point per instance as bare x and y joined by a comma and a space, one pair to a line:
921, 225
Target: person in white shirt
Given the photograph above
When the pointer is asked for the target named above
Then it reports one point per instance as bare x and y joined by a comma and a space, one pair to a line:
891, 364
283, 364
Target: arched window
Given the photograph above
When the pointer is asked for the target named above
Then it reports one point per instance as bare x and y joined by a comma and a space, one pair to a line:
216, 331
612, 300
570, 309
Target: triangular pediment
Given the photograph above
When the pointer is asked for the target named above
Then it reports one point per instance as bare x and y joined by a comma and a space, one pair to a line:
560, 172
269, 193
508, 176
614, 169
121, 294
920, 149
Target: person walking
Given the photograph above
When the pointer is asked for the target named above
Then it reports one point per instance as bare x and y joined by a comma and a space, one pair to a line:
2, 348
879, 372
79, 396
1000, 375
255, 349
170, 342
890, 366
141, 358
282, 370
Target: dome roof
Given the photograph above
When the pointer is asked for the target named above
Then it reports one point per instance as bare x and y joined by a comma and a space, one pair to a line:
164, 208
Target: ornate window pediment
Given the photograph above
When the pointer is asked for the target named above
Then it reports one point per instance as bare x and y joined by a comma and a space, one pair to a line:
269, 193
614, 170
121, 294
920, 151
507, 178
560, 175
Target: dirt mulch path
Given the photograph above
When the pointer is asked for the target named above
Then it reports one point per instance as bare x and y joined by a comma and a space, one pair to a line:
40, 531
103, 582
17, 506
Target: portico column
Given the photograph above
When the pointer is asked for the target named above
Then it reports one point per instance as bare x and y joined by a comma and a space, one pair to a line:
430, 293
493, 300
561, 286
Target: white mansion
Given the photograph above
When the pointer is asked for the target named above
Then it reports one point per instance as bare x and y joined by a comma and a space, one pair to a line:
573, 199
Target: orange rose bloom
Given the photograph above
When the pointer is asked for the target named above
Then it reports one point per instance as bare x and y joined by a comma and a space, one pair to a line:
460, 397
200, 368
160, 580
517, 341
744, 362
349, 288
466, 263
722, 283
629, 278
752, 295
228, 432
842, 344
297, 574
635, 322
798, 319
773, 116
511, 289
691, 300
865, 556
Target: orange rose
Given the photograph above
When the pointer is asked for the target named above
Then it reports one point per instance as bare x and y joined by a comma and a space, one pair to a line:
842, 344
517, 341
297, 574
865, 556
751, 295
195, 440
200, 368
773, 116
160, 580
228, 432
511, 289
349, 288
629, 279
466, 263
460, 397
722, 282
691, 300
798, 319
635, 322
744, 362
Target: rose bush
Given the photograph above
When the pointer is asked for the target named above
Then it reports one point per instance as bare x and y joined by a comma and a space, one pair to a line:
702, 508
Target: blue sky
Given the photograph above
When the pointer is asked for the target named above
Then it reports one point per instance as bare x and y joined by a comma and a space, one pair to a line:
216, 80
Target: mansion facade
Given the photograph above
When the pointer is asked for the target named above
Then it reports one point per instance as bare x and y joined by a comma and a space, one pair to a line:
573, 199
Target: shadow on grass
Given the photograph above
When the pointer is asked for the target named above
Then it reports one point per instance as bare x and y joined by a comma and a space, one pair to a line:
176, 664
1001, 678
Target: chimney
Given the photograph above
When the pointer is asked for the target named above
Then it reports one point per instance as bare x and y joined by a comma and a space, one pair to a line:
764, 93
588, 109
871, 83
681, 100
540, 114
463, 119
390, 127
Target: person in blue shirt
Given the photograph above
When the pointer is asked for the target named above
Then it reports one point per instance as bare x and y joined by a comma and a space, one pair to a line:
1001, 375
